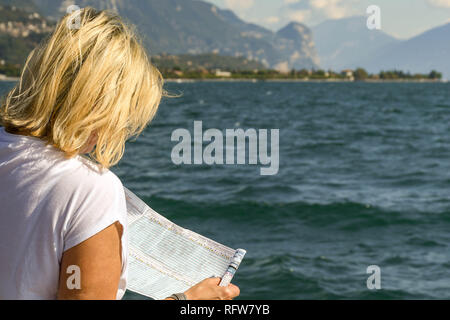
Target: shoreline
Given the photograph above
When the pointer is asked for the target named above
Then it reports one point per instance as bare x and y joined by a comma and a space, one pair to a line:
187, 80
9, 79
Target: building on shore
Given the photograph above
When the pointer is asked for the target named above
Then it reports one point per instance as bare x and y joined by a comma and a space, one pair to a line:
348, 73
223, 74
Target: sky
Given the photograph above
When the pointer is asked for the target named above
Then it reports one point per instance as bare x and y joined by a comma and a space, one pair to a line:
402, 19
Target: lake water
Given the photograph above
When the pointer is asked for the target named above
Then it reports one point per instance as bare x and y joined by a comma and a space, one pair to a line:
364, 180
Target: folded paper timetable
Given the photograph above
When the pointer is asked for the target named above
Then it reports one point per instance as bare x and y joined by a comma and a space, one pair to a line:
164, 258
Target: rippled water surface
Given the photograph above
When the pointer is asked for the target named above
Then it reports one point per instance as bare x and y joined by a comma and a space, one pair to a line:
364, 180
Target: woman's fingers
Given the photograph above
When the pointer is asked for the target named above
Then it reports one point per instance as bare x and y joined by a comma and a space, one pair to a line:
230, 292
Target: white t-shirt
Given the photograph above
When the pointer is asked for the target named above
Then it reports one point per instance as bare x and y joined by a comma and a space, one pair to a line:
49, 204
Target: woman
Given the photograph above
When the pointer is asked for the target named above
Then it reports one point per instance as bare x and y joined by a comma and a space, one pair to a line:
86, 90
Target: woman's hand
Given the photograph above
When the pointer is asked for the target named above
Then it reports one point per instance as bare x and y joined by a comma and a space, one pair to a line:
209, 290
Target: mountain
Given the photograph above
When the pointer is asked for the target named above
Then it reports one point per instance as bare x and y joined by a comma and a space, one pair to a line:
421, 54
20, 32
207, 61
295, 41
344, 43
27, 5
196, 27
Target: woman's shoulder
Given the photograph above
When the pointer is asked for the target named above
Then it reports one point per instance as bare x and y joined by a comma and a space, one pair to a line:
84, 177
90, 199
95, 172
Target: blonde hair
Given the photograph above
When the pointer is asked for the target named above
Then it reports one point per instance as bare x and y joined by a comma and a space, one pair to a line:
95, 79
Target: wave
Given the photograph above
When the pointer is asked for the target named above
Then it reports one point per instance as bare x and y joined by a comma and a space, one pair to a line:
349, 216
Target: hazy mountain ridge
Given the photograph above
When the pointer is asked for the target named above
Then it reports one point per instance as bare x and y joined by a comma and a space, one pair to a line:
344, 43
348, 43
423, 53
196, 27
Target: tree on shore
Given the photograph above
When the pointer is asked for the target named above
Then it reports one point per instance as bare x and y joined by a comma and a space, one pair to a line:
435, 75
360, 74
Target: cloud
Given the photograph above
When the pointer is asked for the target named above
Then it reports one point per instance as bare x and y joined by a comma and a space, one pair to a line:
239, 5
291, 1
271, 20
321, 4
311, 12
333, 9
299, 15
440, 3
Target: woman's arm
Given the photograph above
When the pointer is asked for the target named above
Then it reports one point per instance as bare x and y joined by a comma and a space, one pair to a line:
100, 264
99, 260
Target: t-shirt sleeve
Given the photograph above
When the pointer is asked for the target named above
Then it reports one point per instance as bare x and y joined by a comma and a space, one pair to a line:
100, 203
